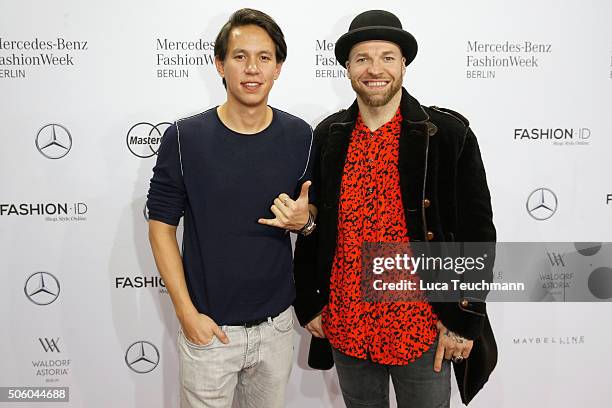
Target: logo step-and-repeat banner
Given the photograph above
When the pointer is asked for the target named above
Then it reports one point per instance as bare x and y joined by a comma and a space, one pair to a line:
89, 88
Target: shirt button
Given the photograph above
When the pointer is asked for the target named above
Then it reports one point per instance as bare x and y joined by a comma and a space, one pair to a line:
426, 203
464, 303
430, 235
370, 190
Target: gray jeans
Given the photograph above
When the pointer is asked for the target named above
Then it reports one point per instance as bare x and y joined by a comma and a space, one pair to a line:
255, 365
366, 384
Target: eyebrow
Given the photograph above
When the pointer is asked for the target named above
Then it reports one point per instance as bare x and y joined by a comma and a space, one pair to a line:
365, 54
241, 50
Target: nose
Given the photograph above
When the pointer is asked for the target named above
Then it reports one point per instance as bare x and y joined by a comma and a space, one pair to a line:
374, 68
252, 67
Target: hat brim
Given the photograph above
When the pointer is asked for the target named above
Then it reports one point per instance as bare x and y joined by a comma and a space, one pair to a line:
402, 38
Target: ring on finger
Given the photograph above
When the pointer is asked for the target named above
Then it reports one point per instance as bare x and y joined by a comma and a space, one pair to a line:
457, 359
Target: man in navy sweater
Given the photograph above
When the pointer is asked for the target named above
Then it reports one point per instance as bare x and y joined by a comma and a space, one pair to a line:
230, 172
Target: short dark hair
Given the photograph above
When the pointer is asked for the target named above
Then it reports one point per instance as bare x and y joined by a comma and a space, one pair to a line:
247, 16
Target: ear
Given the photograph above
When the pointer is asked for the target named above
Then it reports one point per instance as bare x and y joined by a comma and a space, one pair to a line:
277, 70
403, 65
348, 71
220, 67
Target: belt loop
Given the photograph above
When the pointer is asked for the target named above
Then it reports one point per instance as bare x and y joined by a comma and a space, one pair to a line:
269, 320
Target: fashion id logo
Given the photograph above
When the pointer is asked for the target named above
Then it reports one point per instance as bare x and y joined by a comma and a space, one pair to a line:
578, 136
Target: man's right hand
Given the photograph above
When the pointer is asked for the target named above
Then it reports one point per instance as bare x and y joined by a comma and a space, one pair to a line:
200, 329
315, 327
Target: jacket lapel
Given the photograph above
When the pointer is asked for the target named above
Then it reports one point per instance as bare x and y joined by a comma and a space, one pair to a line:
335, 151
412, 163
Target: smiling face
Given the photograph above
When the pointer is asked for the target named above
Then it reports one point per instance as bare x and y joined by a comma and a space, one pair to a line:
376, 70
250, 66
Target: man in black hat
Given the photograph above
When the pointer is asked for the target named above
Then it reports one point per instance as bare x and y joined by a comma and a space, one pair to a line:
390, 170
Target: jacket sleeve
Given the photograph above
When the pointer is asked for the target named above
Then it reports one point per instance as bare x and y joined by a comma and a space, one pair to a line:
476, 231
309, 300
473, 196
166, 198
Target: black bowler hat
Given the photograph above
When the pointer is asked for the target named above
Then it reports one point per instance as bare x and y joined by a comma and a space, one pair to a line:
376, 25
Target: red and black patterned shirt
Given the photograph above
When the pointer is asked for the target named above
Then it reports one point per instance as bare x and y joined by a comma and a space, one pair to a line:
371, 210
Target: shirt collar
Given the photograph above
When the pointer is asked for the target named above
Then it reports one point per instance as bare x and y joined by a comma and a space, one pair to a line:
394, 124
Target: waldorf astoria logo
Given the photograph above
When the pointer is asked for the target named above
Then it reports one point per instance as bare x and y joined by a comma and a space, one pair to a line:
52, 363
143, 138
489, 59
49, 344
556, 258
325, 64
181, 58
577, 271
19, 56
558, 279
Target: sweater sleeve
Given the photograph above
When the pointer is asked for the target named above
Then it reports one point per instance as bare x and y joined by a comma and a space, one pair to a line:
307, 174
166, 198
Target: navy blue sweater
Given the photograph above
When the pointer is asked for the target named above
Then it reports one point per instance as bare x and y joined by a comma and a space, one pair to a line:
222, 182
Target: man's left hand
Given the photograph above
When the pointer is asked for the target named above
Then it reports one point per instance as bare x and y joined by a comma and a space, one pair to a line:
290, 214
450, 345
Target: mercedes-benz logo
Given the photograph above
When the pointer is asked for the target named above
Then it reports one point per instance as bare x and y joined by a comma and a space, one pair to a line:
542, 204
142, 357
53, 141
42, 288
143, 138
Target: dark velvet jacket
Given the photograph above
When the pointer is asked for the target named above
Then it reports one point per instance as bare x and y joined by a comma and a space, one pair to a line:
445, 198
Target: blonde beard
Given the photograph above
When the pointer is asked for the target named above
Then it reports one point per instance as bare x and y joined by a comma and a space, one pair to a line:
378, 100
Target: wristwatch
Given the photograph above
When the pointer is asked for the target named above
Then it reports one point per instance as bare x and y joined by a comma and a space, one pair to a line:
309, 227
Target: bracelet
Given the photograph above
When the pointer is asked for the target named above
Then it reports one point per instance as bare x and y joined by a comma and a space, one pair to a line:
309, 227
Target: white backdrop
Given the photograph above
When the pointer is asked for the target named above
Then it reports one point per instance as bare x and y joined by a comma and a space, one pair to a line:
79, 218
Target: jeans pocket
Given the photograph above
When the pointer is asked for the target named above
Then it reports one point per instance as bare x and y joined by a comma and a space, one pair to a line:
283, 322
198, 346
